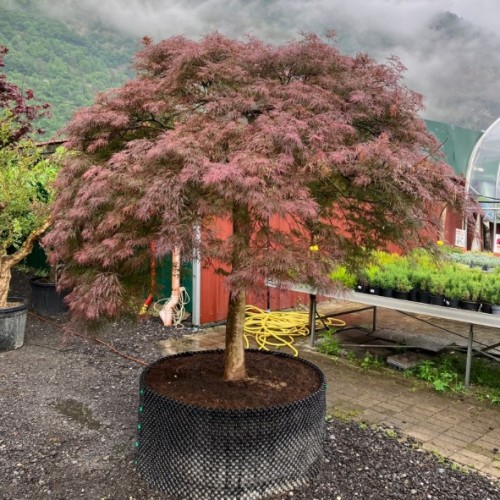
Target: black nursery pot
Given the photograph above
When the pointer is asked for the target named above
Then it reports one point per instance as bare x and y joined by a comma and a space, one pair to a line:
360, 288
398, 294
387, 292
468, 305
486, 308
424, 297
198, 453
437, 300
374, 290
45, 299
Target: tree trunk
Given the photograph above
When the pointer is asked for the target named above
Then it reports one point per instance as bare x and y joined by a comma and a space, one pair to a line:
234, 361
4, 282
7, 262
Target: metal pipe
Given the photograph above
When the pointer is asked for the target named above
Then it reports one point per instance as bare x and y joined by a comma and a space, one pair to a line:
469, 356
312, 317
167, 313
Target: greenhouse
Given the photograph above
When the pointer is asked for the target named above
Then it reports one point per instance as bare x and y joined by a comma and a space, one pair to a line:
483, 179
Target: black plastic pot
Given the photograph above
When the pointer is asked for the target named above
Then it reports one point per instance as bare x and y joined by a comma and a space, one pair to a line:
424, 297
387, 292
45, 299
360, 288
398, 294
469, 305
437, 300
13, 324
451, 302
486, 308
413, 295
199, 453
374, 290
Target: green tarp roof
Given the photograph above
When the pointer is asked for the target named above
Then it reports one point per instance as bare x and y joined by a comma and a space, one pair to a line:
458, 143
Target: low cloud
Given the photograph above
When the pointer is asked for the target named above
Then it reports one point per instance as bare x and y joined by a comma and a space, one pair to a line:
450, 47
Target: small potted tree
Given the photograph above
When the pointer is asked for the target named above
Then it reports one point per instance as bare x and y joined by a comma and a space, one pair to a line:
25, 195
421, 281
374, 275
361, 284
402, 285
454, 291
472, 285
454, 288
437, 286
490, 293
387, 280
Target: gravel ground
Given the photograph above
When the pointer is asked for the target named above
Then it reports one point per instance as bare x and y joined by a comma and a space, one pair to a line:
68, 414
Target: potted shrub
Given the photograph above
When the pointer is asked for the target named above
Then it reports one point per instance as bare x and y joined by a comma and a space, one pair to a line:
470, 295
454, 286
402, 284
361, 284
374, 276
386, 281
486, 296
421, 281
453, 293
437, 286
222, 134
490, 294
471, 285
25, 195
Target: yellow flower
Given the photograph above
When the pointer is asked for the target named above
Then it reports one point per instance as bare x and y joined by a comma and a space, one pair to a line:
440, 243
314, 248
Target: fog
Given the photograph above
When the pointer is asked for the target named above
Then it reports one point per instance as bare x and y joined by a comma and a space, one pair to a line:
451, 48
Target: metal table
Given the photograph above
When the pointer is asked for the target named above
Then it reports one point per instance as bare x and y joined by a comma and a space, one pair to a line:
471, 318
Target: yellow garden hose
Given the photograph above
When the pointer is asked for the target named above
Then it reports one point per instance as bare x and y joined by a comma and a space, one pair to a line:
279, 328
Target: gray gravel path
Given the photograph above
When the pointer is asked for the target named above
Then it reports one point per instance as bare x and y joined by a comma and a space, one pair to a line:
67, 427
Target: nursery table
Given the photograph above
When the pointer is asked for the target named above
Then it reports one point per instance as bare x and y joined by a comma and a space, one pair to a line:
471, 318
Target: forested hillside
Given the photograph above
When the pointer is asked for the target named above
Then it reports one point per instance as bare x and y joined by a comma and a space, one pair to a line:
64, 64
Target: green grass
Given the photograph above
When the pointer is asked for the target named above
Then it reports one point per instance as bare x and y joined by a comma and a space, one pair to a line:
447, 372
329, 345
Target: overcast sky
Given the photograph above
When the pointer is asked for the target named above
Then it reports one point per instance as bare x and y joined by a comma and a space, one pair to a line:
450, 47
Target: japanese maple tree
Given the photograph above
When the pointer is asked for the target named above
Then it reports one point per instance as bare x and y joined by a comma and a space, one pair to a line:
248, 132
17, 105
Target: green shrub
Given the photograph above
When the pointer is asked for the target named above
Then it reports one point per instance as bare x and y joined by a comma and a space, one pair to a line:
341, 274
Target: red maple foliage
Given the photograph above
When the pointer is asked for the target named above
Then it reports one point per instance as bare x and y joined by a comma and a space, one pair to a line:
221, 128
14, 102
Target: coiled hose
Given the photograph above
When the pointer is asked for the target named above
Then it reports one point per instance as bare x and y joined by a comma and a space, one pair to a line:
280, 328
179, 312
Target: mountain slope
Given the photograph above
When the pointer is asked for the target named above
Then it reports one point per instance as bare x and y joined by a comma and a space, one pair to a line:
64, 65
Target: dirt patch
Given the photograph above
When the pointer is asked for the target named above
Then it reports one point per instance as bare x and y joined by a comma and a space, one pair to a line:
197, 380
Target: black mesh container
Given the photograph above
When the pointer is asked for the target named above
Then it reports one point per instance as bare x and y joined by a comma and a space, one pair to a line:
206, 453
45, 299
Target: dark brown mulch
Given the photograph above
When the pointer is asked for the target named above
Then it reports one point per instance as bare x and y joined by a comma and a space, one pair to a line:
272, 380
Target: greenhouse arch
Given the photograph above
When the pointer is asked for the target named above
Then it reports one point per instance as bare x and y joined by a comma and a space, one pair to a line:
483, 181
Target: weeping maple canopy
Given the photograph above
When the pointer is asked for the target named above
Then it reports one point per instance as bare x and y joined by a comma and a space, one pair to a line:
250, 132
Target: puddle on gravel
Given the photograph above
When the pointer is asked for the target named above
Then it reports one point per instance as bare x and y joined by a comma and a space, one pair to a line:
78, 412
